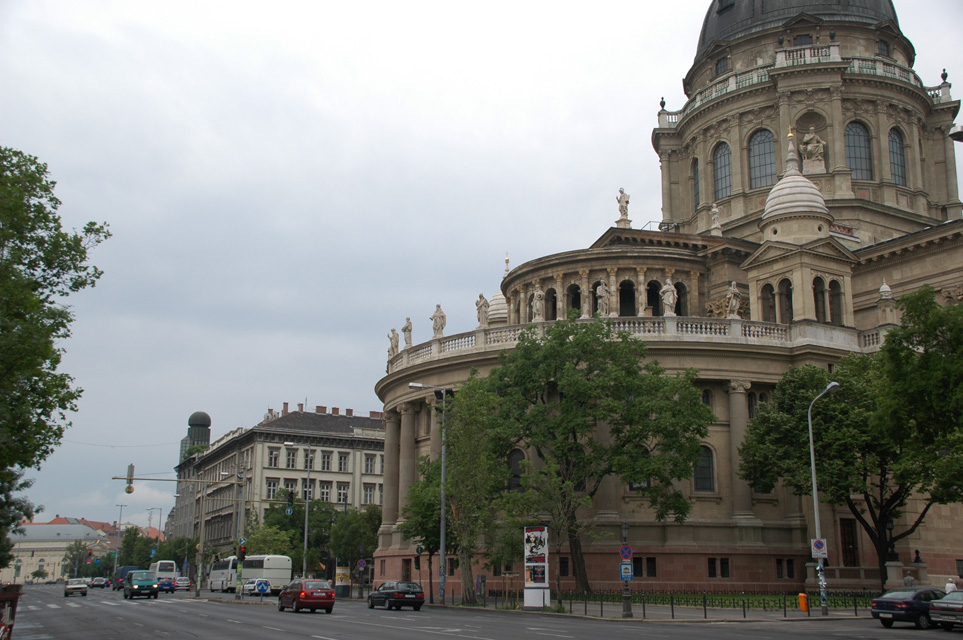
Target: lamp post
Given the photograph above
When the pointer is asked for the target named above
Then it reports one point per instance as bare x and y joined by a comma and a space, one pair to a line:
120, 519
308, 493
442, 550
832, 387
150, 520
626, 596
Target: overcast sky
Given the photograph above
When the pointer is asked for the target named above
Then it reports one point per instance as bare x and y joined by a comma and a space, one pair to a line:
286, 182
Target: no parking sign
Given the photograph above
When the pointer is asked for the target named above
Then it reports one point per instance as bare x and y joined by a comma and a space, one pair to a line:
819, 548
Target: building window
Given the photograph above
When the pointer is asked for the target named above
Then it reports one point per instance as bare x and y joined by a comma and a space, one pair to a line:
381, 465
835, 303
785, 568
762, 159
324, 491
272, 488
859, 157
343, 492
369, 463
307, 489
515, 466
644, 567
292, 458
722, 65
368, 497
704, 474
819, 298
897, 159
308, 459
882, 48
751, 402
343, 462
722, 167
325, 461
562, 566
381, 494
645, 484
696, 195
719, 567
291, 486
707, 398
802, 40
274, 458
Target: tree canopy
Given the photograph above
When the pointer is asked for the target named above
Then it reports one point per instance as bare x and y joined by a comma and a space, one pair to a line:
41, 264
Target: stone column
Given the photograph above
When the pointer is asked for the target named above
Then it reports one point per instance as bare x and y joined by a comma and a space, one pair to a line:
838, 133
586, 294
392, 438
615, 300
407, 465
738, 421
693, 304
560, 311
666, 182
641, 291
952, 189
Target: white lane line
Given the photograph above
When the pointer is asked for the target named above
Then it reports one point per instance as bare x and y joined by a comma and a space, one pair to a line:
54, 606
272, 628
73, 604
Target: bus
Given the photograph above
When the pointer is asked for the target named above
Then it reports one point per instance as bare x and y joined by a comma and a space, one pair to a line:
276, 569
223, 575
164, 569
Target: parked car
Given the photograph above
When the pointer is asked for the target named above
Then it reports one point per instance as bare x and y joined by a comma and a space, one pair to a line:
75, 586
165, 584
948, 610
140, 583
307, 594
99, 583
906, 605
397, 595
182, 583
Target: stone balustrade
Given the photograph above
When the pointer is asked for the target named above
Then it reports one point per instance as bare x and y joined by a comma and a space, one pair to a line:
656, 331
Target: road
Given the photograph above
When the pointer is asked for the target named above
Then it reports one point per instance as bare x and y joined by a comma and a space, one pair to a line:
45, 614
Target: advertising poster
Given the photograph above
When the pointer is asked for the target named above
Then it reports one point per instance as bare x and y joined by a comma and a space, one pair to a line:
536, 567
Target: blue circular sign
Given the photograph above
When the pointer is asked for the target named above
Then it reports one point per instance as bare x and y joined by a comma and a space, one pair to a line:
263, 586
288, 511
625, 552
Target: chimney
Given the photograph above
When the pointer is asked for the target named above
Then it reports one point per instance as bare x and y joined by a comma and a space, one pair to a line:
300, 407
374, 414
349, 412
284, 411
335, 411
320, 409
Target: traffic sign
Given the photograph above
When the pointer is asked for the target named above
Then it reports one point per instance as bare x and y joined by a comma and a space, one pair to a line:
625, 571
819, 548
242, 540
361, 563
626, 552
263, 586
288, 511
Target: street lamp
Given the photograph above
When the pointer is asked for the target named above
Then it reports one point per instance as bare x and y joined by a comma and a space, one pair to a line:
309, 463
120, 519
442, 550
150, 521
626, 596
832, 387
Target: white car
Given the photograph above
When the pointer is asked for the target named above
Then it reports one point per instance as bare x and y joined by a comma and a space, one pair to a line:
75, 586
250, 586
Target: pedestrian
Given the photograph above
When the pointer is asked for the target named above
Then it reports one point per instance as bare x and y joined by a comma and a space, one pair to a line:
950, 585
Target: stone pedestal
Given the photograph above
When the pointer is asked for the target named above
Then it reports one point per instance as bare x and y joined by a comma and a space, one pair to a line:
894, 574
813, 166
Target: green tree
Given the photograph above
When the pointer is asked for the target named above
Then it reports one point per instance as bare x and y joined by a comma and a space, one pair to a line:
355, 535
422, 515
40, 266
13, 509
268, 540
128, 548
320, 520
39, 574
865, 459
583, 399
476, 474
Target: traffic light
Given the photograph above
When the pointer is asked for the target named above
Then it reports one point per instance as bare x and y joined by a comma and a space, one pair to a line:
290, 498
418, 563
242, 553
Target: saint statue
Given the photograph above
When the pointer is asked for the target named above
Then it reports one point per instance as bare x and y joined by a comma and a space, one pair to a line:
733, 298
393, 343
406, 329
812, 146
623, 200
669, 296
482, 307
438, 321
602, 297
538, 304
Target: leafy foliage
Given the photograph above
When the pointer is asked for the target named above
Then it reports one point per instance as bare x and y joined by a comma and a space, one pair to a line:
422, 514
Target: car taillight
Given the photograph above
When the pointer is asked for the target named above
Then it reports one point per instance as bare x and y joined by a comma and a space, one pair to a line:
901, 605
874, 604
301, 595
398, 595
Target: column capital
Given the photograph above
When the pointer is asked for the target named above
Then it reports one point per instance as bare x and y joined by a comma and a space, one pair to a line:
739, 386
390, 415
408, 408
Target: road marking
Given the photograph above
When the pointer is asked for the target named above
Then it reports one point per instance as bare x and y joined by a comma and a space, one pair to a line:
73, 604
54, 606
272, 628
323, 638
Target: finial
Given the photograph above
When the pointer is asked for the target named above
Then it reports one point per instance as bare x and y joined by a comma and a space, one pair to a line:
662, 101
944, 75
506, 263
790, 131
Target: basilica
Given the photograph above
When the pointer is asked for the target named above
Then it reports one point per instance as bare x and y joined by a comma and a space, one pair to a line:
808, 181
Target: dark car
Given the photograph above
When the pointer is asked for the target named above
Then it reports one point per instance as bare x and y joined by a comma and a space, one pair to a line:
140, 583
307, 594
397, 595
166, 585
948, 610
99, 583
906, 605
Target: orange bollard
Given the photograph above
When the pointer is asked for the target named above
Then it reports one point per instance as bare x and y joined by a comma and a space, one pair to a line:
804, 603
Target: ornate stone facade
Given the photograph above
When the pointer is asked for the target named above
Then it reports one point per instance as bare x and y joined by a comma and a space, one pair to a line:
806, 243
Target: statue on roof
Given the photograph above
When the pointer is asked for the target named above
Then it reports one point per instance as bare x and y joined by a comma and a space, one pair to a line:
538, 304
482, 308
392, 343
438, 322
406, 329
602, 297
669, 297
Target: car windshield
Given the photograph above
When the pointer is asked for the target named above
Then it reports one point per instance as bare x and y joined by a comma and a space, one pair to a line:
899, 594
142, 575
76, 581
955, 595
317, 584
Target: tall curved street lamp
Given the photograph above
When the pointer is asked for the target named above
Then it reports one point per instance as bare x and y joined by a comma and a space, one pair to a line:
832, 387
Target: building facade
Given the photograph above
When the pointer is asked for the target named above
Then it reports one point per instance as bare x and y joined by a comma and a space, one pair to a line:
808, 182
331, 456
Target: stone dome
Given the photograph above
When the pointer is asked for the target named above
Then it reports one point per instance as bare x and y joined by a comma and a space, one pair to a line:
498, 309
199, 419
794, 193
728, 20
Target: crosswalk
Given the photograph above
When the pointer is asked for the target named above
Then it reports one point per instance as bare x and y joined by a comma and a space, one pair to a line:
106, 603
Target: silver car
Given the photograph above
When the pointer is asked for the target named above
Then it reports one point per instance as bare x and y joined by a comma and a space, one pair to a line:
75, 586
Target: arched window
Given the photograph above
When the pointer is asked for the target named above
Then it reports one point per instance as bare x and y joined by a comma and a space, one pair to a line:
652, 299
751, 404
627, 298
768, 304
819, 298
836, 303
762, 159
897, 159
528, 308
551, 305
573, 297
643, 484
696, 195
681, 299
707, 398
785, 301
515, 466
722, 168
859, 156
704, 474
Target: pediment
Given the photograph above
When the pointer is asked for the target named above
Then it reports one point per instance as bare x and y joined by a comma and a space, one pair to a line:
803, 20
818, 250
